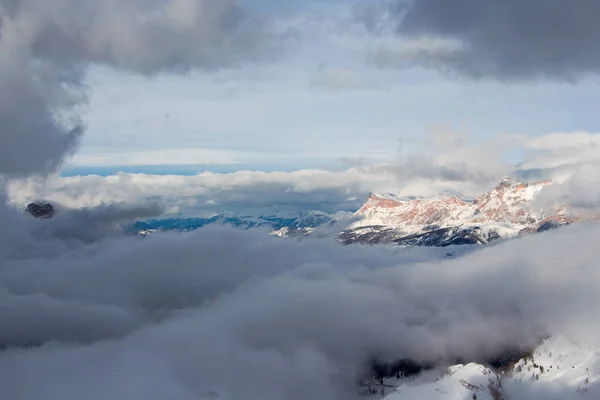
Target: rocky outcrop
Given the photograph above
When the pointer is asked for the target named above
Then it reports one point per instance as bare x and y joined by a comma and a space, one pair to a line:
40, 209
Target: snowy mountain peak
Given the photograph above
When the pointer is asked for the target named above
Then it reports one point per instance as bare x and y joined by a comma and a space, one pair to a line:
508, 202
443, 220
509, 181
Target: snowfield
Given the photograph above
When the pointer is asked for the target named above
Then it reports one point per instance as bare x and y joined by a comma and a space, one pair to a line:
462, 382
558, 369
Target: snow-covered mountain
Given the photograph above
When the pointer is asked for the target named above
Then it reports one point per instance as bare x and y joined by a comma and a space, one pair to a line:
462, 382
444, 220
289, 225
502, 212
559, 368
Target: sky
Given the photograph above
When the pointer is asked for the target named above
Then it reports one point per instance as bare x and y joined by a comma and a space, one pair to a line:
331, 87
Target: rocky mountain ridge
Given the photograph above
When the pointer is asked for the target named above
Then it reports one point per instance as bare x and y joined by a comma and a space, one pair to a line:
283, 226
444, 220
505, 211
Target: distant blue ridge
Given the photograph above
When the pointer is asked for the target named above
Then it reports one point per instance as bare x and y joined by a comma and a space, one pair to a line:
307, 220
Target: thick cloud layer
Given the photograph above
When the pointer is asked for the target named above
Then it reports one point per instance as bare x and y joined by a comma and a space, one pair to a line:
506, 40
135, 35
244, 191
184, 316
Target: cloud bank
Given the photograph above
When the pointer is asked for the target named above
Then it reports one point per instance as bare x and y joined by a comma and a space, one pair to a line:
206, 193
184, 316
445, 161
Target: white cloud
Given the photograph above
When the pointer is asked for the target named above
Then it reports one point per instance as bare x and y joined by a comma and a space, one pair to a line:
562, 149
211, 192
572, 162
578, 190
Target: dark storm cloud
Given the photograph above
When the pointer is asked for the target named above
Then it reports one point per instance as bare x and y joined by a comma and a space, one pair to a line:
45, 47
507, 39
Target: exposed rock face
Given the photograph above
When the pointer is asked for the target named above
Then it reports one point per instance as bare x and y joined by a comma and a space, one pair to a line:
422, 212
508, 202
40, 209
502, 212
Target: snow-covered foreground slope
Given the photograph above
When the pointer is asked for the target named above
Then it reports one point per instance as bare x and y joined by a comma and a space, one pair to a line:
559, 368
462, 382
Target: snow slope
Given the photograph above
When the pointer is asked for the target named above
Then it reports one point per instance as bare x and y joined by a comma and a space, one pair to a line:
559, 368
560, 365
462, 382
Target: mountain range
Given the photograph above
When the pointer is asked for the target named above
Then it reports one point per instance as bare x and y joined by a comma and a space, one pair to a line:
508, 210
505, 211
288, 225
